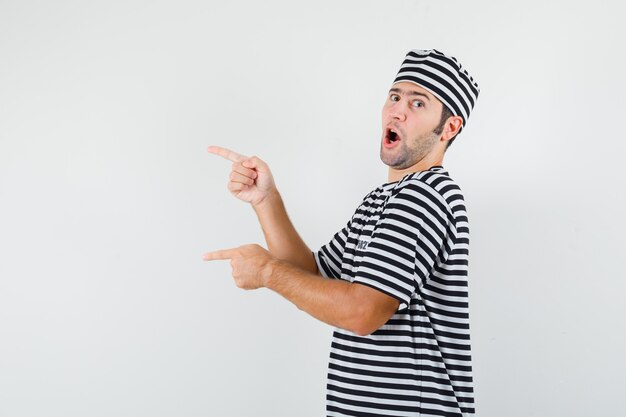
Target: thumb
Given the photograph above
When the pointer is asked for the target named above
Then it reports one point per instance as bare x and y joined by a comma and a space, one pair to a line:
254, 163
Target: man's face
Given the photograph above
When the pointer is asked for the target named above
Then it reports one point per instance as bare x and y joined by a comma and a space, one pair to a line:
410, 115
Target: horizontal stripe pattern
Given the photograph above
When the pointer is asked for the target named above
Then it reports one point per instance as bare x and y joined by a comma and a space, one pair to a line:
410, 240
444, 77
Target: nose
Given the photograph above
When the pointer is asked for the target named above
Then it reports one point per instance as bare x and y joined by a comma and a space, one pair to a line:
397, 112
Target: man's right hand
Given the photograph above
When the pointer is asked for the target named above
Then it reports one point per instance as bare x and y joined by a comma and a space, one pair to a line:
250, 178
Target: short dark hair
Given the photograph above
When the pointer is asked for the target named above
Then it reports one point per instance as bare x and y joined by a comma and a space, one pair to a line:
445, 114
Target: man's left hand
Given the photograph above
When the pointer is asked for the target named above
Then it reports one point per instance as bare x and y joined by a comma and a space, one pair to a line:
250, 264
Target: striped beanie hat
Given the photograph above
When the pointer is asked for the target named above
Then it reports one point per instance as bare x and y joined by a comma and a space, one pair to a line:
444, 77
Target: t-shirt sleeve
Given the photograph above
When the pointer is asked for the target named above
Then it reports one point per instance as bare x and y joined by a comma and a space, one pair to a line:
405, 244
329, 257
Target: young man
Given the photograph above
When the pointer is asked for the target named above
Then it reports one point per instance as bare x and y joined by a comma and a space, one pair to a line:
399, 299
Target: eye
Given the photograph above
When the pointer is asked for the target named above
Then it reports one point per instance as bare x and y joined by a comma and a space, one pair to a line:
394, 97
417, 103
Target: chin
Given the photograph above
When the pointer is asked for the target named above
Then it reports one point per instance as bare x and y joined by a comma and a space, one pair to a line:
392, 160
395, 164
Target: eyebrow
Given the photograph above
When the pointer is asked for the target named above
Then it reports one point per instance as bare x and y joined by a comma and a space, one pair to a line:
410, 93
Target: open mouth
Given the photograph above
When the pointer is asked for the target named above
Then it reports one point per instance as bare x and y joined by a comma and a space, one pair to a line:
391, 137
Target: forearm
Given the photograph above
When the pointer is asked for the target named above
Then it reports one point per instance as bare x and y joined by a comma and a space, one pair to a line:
352, 307
282, 239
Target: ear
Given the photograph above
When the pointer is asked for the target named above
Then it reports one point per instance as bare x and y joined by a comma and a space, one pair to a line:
451, 128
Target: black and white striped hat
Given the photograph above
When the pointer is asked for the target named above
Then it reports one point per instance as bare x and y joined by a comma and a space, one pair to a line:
444, 77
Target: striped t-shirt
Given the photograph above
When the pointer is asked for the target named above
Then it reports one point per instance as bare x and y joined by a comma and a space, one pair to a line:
410, 240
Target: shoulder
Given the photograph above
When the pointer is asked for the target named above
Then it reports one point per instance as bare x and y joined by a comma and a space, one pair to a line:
433, 192
439, 181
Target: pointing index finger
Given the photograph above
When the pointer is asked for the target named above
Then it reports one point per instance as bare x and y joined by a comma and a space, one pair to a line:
226, 153
219, 255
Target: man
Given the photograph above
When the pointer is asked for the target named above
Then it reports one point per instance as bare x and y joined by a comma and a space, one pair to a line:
399, 300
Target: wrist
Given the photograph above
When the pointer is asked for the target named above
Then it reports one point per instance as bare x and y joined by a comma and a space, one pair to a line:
268, 272
268, 200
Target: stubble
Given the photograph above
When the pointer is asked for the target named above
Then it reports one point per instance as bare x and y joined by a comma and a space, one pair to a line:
409, 152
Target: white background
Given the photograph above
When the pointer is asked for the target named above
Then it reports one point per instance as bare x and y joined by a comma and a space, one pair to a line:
108, 198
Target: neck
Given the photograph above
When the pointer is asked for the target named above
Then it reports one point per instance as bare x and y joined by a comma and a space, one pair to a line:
424, 164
